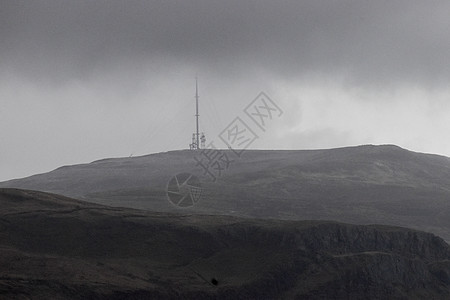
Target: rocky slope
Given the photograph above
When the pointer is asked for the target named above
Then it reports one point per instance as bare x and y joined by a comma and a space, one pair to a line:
52, 247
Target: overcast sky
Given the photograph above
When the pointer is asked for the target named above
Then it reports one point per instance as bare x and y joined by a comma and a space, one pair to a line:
85, 80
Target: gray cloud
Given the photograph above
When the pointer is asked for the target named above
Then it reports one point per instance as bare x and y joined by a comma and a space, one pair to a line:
366, 42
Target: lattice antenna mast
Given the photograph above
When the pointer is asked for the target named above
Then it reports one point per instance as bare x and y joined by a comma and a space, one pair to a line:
196, 112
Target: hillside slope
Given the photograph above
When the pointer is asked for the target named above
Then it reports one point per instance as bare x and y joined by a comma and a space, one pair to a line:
53, 247
362, 185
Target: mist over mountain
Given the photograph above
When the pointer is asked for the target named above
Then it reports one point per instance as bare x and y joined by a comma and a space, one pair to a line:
53, 247
362, 185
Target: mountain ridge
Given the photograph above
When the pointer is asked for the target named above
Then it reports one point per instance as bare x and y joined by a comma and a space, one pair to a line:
361, 185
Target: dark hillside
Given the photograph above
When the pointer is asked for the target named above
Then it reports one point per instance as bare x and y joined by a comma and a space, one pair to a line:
53, 247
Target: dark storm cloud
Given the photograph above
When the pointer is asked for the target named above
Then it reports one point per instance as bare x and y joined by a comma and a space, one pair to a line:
365, 42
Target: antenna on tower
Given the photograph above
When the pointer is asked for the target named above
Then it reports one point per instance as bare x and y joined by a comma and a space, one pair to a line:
196, 110
195, 145
203, 141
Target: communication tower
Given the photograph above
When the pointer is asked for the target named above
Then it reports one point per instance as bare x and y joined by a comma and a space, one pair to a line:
196, 139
